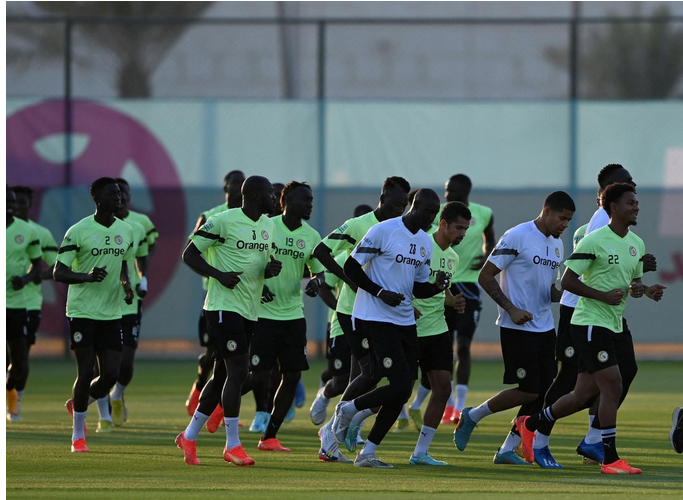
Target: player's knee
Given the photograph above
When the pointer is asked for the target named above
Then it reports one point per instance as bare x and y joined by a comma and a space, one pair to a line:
441, 392
401, 387
528, 397
291, 378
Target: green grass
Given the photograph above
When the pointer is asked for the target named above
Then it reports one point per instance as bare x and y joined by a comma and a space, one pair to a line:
140, 460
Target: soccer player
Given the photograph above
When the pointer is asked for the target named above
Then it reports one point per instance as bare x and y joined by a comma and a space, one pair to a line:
232, 185
32, 290
609, 262
396, 255
528, 258
92, 261
676, 433
240, 260
392, 203
22, 253
434, 339
280, 334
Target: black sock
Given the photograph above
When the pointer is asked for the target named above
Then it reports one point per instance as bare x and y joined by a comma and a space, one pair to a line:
534, 421
609, 443
271, 430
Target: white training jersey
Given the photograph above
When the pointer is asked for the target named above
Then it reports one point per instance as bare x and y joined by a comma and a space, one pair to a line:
600, 219
395, 259
530, 265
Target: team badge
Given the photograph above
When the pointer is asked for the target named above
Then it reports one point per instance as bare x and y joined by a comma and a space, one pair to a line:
205, 338
118, 239
569, 352
557, 252
264, 234
208, 225
632, 251
521, 373
301, 244
78, 336
365, 344
338, 364
255, 360
388, 363
450, 264
423, 252
603, 356
19, 239
232, 345
473, 222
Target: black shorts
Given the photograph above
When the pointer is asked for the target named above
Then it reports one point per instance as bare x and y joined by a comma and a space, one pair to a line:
281, 341
204, 339
339, 360
394, 348
99, 335
565, 349
436, 353
598, 347
359, 343
328, 341
529, 359
229, 333
465, 324
131, 330
33, 325
17, 324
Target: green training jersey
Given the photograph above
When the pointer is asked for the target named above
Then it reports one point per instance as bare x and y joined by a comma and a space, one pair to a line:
150, 231
334, 282
88, 244
432, 321
342, 241
34, 292
295, 250
22, 245
213, 211
239, 244
605, 261
578, 236
140, 249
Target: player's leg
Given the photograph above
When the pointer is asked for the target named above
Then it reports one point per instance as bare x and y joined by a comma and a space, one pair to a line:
204, 365
360, 349
17, 345
31, 329
339, 366
261, 363
130, 327
465, 325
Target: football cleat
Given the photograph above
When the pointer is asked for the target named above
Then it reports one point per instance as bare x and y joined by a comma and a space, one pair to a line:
508, 458
425, 459
544, 458
319, 408
340, 424
79, 446
189, 449
116, 412
272, 444
238, 456
260, 422
528, 438
103, 427
402, 425
192, 400
591, 453
300, 396
619, 467
215, 420
368, 460
448, 415
463, 431
455, 418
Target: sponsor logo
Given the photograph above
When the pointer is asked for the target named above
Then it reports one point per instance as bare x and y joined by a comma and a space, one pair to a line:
118, 239
288, 252
423, 252
569, 352
19, 239
552, 264
301, 244
632, 250
208, 225
402, 259
603, 356
116, 252
343, 228
205, 338
338, 364
231, 345
365, 344
261, 247
387, 362
557, 252
521, 373
264, 235
78, 336
450, 264
255, 360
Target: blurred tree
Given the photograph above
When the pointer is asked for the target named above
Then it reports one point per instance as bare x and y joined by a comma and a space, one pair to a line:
628, 60
137, 49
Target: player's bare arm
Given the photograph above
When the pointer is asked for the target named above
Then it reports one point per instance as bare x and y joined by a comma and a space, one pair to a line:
64, 274
324, 254
489, 245
315, 283
555, 294
571, 282
355, 271
125, 283
457, 302
19, 282
328, 298
487, 280
426, 290
193, 258
637, 289
649, 263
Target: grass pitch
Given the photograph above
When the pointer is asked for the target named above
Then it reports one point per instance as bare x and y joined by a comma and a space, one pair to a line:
140, 460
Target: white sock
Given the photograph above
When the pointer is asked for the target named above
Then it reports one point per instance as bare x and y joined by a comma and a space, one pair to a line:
404, 413
511, 442
593, 436
461, 395
425, 439
451, 399
349, 409
195, 425
117, 393
480, 412
541, 441
422, 393
232, 432
360, 417
369, 448
103, 408
20, 394
79, 425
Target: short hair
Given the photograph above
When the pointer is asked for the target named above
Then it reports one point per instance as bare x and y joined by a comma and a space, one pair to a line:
97, 186
226, 179
558, 201
396, 183
613, 193
454, 209
606, 172
121, 180
461, 179
289, 187
25, 190
362, 210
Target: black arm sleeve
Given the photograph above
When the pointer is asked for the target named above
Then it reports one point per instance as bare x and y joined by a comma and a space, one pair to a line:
424, 290
355, 272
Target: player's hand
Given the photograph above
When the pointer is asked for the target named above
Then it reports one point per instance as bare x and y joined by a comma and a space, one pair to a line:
636, 289
96, 275
417, 313
273, 268
520, 316
442, 281
459, 303
312, 287
229, 279
613, 297
129, 294
391, 298
649, 262
478, 263
655, 292
17, 282
267, 295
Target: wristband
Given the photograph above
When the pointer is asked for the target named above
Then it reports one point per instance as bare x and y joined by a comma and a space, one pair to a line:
380, 291
143, 283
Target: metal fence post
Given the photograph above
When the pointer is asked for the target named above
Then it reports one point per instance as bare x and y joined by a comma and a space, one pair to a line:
68, 145
320, 316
